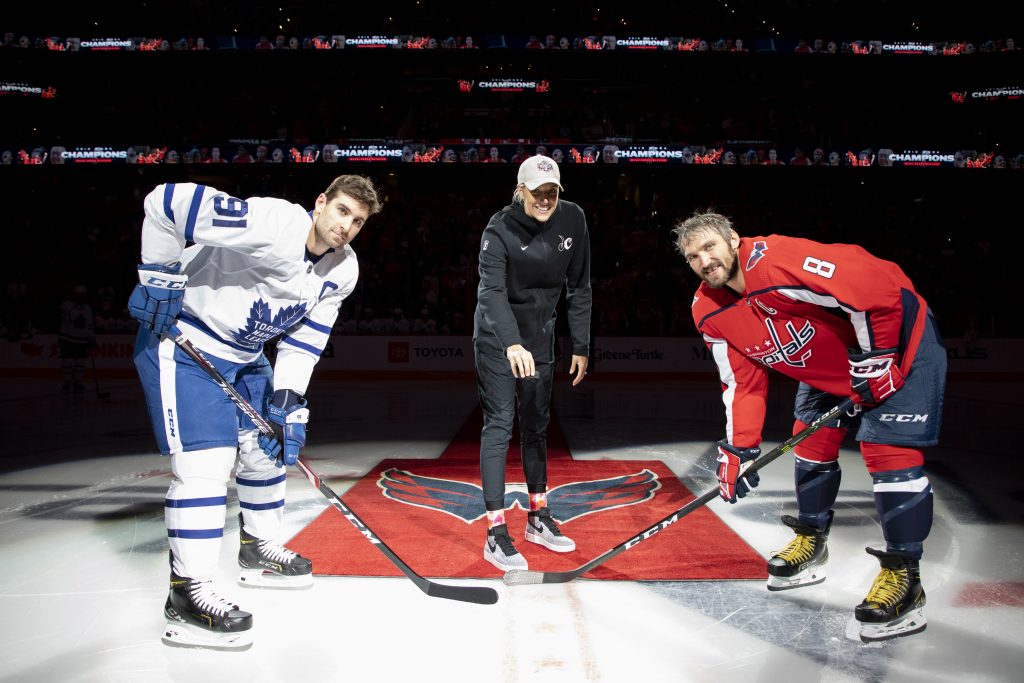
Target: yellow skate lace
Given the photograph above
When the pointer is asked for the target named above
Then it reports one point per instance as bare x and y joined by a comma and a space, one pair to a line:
799, 549
889, 587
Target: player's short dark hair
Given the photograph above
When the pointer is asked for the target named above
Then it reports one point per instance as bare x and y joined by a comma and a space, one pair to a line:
701, 222
359, 188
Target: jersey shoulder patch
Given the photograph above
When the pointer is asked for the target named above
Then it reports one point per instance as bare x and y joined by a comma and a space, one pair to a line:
757, 251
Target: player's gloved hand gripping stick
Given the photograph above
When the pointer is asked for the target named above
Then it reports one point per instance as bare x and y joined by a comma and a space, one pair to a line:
288, 416
480, 595
874, 376
517, 577
732, 462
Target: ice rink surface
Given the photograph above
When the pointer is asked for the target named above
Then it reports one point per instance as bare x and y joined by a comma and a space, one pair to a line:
84, 571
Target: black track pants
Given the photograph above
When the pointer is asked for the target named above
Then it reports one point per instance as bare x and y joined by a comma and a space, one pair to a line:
500, 394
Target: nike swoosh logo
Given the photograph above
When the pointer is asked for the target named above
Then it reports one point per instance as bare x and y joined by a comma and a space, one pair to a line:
524, 247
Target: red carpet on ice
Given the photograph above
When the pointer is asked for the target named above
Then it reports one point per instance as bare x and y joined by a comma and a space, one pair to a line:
431, 513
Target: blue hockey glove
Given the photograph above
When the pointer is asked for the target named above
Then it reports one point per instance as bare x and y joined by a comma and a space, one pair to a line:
156, 300
732, 484
288, 414
874, 376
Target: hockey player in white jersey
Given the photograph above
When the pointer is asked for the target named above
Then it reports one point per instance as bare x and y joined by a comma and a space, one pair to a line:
233, 274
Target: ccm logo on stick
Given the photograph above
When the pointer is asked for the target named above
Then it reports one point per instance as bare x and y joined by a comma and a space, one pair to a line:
895, 417
653, 530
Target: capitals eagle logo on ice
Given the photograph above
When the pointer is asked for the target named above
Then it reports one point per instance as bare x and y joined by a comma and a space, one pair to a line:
261, 326
465, 501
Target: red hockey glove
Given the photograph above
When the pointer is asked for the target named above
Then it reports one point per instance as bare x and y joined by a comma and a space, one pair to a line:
874, 376
731, 484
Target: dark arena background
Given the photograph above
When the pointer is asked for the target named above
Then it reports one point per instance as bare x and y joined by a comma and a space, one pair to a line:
882, 124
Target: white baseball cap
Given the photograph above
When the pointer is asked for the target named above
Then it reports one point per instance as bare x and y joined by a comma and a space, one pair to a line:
538, 170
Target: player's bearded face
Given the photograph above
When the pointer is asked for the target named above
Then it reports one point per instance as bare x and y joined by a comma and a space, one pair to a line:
720, 271
713, 259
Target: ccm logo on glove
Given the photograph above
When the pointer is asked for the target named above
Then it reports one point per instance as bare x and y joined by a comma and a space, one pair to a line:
874, 376
163, 282
288, 415
156, 301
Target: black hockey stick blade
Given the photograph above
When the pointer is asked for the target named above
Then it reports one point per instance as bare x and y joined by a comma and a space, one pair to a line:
522, 577
480, 595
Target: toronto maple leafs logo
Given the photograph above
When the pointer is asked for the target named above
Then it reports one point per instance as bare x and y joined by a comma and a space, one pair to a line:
756, 254
262, 326
465, 501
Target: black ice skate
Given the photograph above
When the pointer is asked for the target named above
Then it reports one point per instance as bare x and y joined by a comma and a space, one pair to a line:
894, 606
198, 617
266, 564
802, 562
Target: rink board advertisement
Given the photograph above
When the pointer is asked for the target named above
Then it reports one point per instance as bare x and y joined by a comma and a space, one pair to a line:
415, 355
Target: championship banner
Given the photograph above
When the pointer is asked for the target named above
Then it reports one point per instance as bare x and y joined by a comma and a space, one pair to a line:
94, 155
908, 48
371, 42
922, 158
28, 90
505, 85
646, 43
1001, 94
372, 153
462, 151
93, 44
426, 42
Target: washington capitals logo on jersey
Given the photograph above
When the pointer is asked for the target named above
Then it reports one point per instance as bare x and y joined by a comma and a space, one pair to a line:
794, 352
567, 502
756, 254
262, 326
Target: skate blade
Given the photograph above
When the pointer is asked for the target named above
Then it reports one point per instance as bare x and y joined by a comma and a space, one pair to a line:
910, 623
257, 578
785, 583
540, 540
185, 635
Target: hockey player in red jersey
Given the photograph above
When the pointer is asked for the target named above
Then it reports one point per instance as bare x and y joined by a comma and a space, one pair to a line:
843, 323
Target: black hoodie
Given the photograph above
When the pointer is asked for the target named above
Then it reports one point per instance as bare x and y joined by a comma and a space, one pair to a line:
523, 265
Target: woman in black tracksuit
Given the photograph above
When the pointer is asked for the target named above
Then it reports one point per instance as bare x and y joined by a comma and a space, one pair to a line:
528, 252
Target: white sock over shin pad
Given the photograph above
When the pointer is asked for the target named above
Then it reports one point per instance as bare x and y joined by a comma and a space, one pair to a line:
194, 509
261, 488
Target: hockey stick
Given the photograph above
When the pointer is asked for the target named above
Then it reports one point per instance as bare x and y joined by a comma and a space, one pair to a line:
519, 577
96, 380
479, 595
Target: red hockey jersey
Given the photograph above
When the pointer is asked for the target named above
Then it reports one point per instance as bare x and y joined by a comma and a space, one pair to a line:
804, 306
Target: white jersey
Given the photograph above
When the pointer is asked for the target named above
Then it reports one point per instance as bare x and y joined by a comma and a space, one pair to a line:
250, 277
76, 323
